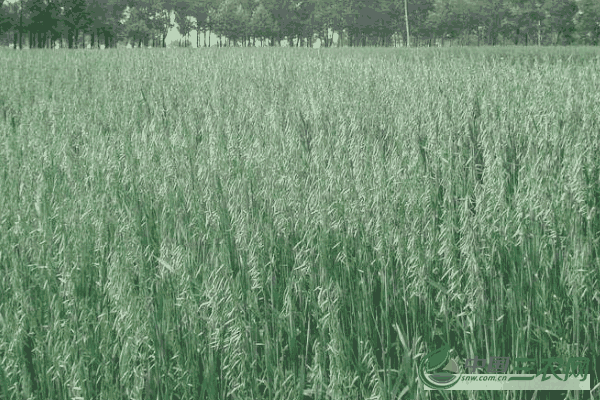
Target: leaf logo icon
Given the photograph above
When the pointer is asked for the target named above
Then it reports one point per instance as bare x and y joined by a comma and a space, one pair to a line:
438, 358
434, 361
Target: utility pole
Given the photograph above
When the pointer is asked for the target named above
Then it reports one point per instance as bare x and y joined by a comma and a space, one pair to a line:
406, 19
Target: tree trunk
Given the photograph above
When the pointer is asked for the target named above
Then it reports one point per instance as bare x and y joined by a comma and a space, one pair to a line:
21, 28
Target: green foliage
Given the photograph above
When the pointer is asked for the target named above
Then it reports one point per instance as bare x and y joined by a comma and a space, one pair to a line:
6, 22
588, 21
137, 28
184, 23
293, 223
354, 22
261, 23
232, 20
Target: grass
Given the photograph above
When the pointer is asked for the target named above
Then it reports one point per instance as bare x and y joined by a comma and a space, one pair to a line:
293, 223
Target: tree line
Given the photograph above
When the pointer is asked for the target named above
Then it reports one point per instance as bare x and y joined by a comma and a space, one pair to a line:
78, 23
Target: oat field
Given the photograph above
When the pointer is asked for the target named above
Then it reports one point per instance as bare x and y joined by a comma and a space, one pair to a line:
294, 223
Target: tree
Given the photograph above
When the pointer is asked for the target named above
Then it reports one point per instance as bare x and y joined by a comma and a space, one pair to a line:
199, 10
418, 12
587, 21
327, 16
162, 20
184, 25
357, 22
148, 20
305, 22
560, 19
232, 20
75, 17
97, 12
525, 18
113, 27
450, 18
8, 20
262, 24
283, 18
137, 26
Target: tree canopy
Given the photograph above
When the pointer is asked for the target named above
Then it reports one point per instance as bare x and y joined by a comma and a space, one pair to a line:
43, 23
